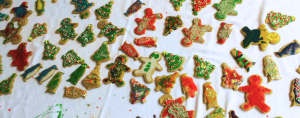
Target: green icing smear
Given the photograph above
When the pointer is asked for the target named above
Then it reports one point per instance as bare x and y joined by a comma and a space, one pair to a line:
216, 114
49, 111
54, 82
77, 74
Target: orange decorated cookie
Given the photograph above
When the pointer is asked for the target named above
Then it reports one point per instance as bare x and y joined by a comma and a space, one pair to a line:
147, 22
188, 86
209, 96
129, 50
230, 78
166, 83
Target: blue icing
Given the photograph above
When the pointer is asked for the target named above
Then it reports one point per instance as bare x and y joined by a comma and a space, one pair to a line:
82, 5
20, 11
45, 72
3, 16
289, 49
30, 70
1, 1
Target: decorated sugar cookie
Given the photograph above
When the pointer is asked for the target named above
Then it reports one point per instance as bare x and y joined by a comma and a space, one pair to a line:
276, 19
31, 71
139, 92
232, 114
110, 31
202, 68
78, 73
104, 11
5, 4
174, 108
129, 50
66, 30
188, 86
226, 7
298, 70
217, 113
289, 49
172, 23
136, 6
50, 50
270, 69
177, 4
93, 79
146, 41
147, 22
242, 59
11, 34
116, 71
74, 92
54, 83
295, 92
255, 95
40, 7
195, 33
46, 74
148, 67
224, 32
102, 54
7, 85
173, 62
21, 14
54, 1
230, 78
259, 36
198, 4
82, 7
4, 16
38, 30
166, 83
209, 96
71, 58
1, 66
87, 36
20, 56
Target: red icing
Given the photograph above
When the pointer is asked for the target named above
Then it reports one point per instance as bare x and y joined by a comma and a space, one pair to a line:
232, 75
145, 41
189, 85
200, 4
20, 56
130, 50
165, 112
147, 22
255, 94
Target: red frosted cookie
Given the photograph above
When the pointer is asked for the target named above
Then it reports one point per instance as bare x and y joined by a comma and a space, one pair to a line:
146, 41
224, 32
129, 50
20, 57
230, 78
147, 22
188, 86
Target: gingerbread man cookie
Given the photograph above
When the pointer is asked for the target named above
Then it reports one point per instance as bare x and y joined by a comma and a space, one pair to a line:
21, 14
195, 33
67, 30
166, 83
11, 34
147, 22
289, 49
270, 69
110, 31
20, 56
5, 4
209, 96
230, 78
198, 4
255, 95
226, 7
82, 7
104, 11
139, 92
224, 32
295, 92
172, 23
148, 67
242, 59
146, 41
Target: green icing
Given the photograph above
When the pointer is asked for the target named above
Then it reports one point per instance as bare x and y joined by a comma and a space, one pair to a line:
38, 30
155, 55
40, 6
54, 82
105, 10
251, 36
50, 50
60, 115
203, 68
177, 110
110, 31
102, 53
177, 3
3, 16
147, 67
226, 7
173, 61
67, 29
71, 58
172, 23
6, 85
77, 74
1, 66
277, 19
116, 70
87, 36
216, 114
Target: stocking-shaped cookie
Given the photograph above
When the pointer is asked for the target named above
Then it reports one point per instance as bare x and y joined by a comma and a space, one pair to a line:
139, 92
242, 59
195, 33
110, 31
226, 7
149, 66
20, 56
255, 95
270, 69
21, 14
230, 78
209, 96
174, 108
130, 50
147, 22
11, 34
166, 83
224, 32
82, 7
146, 41
116, 71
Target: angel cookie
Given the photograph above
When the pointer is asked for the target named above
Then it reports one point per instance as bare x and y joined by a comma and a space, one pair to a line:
166, 83
243, 60
139, 92
82, 7
270, 69
147, 22
230, 78
148, 67
209, 96
21, 14
110, 31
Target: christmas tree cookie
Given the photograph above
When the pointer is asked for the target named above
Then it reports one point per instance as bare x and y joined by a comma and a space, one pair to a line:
1, 66
217, 113
82, 7
202, 68
147, 22
110, 31
270, 69
20, 56
71, 58
66, 30
289, 49
93, 79
224, 32
11, 33
174, 108
259, 36
276, 19
230, 78
116, 71
46, 74
129, 50
40, 7
74, 92
102, 54
195, 33
255, 95
54, 83
173, 62
139, 92
104, 11
166, 83
50, 50
146, 41
31, 71
232, 114
87, 36
198, 4
172, 23
148, 67
38, 30
7, 85
226, 7
177, 4
242, 59
78, 73
21, 14
209, 96
188, 86
295, 92
4, 17
5, 4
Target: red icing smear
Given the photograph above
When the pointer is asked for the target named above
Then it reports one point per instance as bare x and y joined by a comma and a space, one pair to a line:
145, 41
200, 3
147, 22
165, 112
189, 85
130, 50
20, 56
255, 94
230, 76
